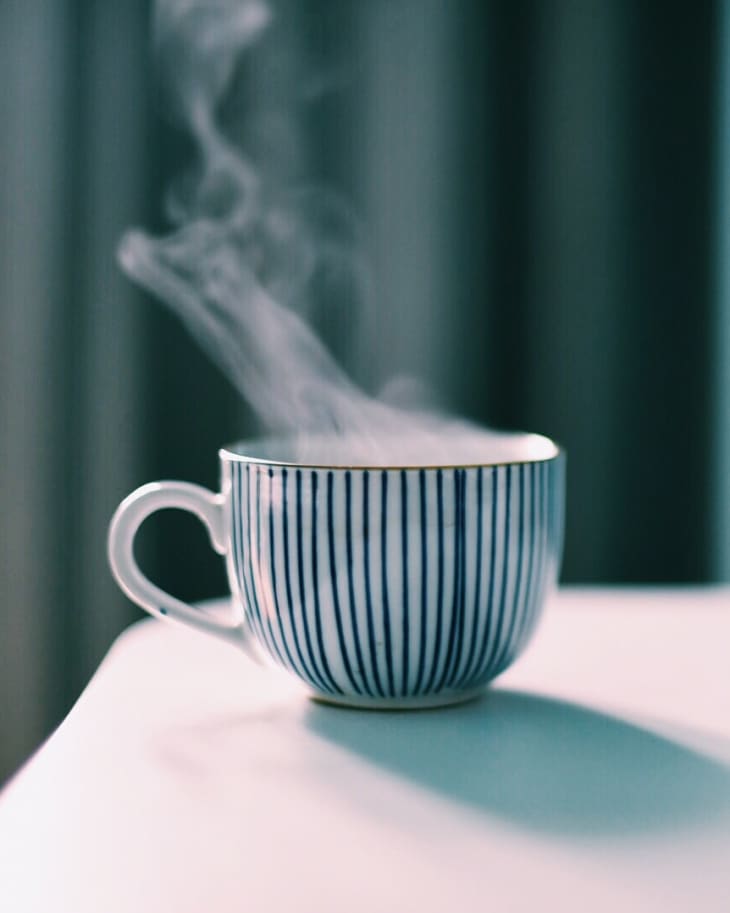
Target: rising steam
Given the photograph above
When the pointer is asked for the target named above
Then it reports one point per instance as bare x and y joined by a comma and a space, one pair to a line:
238, 268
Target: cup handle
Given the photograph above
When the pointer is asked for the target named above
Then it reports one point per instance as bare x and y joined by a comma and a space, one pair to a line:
127, 519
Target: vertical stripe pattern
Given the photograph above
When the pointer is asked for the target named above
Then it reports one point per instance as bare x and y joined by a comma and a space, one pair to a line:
394, 583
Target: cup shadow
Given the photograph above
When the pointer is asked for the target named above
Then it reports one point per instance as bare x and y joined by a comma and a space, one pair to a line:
545, 764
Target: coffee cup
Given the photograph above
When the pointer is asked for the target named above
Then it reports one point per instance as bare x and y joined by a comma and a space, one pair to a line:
380, 587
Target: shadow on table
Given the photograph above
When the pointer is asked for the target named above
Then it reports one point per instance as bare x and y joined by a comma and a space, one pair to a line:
545, 764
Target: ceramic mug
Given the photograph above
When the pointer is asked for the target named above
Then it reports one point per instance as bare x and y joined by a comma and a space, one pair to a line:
377, 587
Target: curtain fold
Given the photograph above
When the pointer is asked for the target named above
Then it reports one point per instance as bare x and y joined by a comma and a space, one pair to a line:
72, 154
34, 65
577, 309
720, 360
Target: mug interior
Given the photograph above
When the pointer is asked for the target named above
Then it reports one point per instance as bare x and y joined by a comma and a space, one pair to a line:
482, 448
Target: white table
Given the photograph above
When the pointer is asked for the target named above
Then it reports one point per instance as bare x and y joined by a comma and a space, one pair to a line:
594, 776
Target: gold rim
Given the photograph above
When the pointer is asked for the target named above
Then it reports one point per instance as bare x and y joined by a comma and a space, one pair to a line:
226, 453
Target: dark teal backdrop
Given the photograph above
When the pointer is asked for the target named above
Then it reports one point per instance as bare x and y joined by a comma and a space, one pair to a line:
562, 161
544, 198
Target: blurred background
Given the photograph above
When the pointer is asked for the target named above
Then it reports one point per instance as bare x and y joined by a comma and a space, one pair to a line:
545, 193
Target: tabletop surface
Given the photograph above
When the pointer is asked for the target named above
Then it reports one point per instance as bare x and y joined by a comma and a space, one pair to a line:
594, 775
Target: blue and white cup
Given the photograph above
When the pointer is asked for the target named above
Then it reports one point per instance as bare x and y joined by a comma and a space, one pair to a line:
377, 587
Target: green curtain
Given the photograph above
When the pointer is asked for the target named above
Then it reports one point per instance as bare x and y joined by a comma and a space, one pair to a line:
544, 193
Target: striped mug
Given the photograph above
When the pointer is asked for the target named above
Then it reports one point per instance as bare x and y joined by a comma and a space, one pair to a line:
378, 587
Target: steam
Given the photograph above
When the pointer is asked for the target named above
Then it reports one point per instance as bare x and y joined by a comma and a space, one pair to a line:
240, 266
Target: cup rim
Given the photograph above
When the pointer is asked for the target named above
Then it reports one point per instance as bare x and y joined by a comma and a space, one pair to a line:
231, 453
